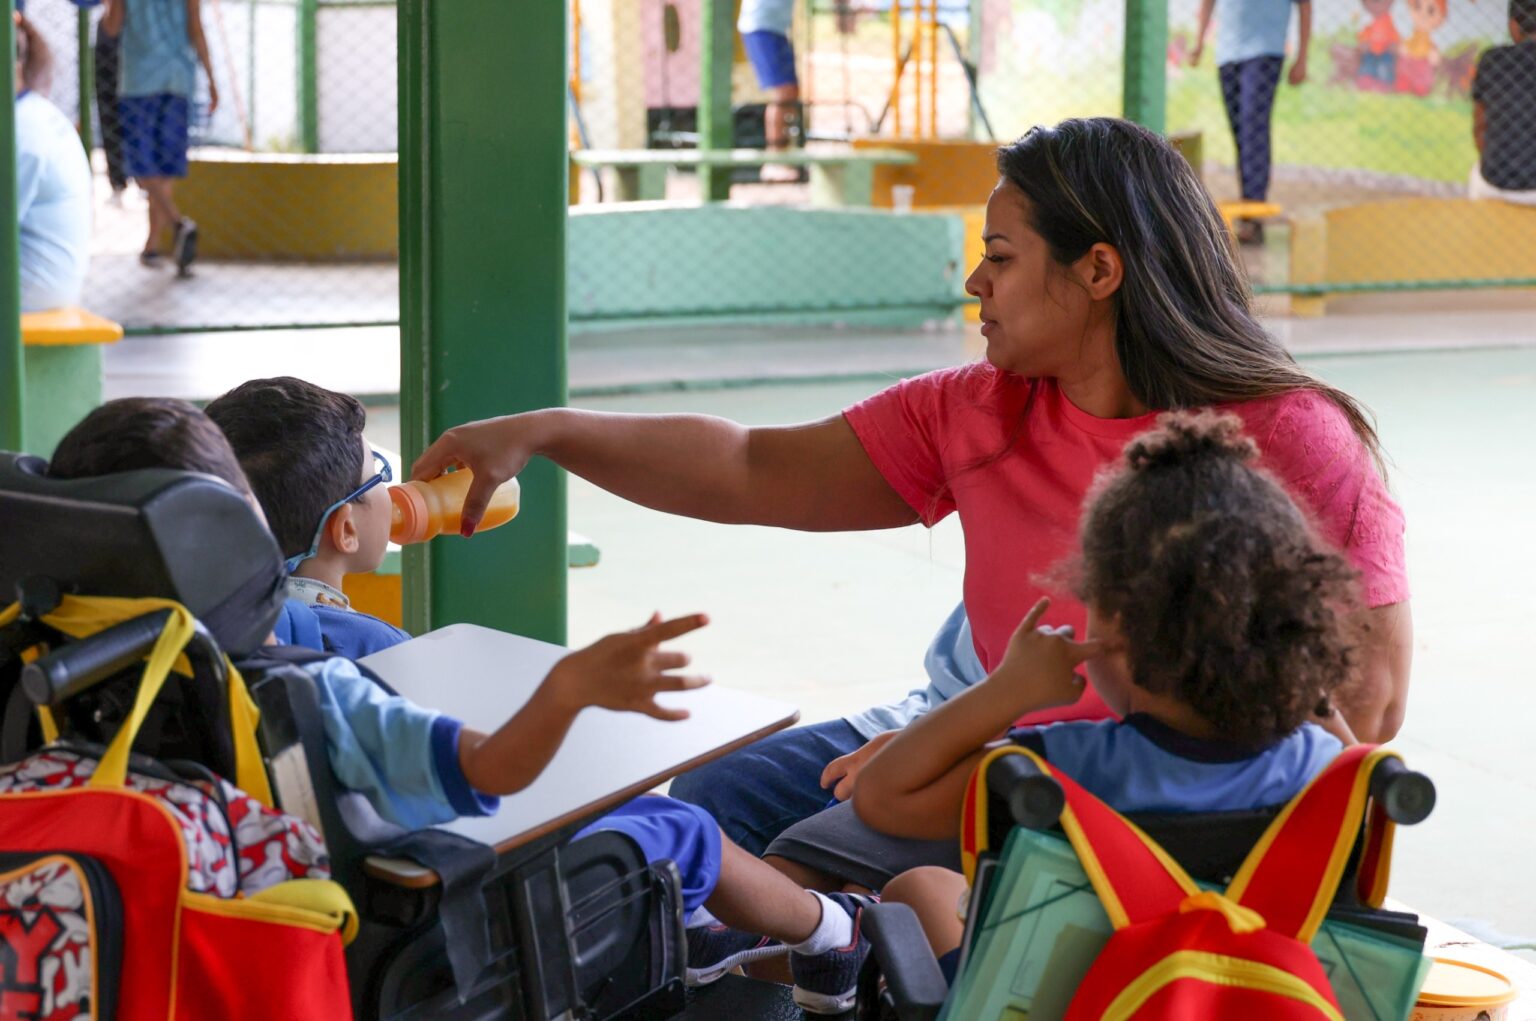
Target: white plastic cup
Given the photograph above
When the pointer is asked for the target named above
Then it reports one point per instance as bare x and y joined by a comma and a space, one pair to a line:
901, 197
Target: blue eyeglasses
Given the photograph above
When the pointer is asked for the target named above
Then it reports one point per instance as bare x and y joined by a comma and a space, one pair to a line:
382, 475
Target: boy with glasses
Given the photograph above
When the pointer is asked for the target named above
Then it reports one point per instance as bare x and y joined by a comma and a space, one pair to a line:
321, 488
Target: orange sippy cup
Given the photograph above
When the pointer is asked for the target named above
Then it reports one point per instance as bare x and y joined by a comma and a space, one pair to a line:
424, 509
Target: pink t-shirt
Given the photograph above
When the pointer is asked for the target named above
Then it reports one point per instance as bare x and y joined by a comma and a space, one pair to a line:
1021, 513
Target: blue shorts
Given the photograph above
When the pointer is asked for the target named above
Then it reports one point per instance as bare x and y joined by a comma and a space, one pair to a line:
667, 829
154, 132
773, 58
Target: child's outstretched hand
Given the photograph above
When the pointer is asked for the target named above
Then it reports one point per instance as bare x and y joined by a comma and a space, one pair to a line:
1041, 663
625, 671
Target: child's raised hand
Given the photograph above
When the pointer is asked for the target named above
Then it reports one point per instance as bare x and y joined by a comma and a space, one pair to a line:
625, 671
1041, 663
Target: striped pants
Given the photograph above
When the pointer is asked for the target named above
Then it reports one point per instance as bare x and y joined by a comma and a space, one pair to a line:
1248, 89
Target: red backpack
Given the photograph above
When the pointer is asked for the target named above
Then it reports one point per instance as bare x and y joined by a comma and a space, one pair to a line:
1180, 952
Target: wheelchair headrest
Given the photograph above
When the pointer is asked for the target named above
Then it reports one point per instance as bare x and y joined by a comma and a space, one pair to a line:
152, 533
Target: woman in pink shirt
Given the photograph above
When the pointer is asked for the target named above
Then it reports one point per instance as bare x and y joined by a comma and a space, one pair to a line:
1108, 292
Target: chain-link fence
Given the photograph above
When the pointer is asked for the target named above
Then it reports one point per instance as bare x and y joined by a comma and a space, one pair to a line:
1355, 172
289, 178
1374, 146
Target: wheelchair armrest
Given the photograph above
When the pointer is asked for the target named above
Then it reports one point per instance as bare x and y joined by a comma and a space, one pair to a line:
914, 985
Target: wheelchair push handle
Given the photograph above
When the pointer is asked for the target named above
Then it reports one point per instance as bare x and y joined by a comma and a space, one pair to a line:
1408, 796
1034, 800
79, 666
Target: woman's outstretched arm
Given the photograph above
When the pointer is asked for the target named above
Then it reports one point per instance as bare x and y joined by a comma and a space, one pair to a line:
815, 476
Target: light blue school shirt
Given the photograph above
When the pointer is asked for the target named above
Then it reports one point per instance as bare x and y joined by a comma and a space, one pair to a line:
1251, 28
766, 16
402, 758
952, 666
156, 56
53, 215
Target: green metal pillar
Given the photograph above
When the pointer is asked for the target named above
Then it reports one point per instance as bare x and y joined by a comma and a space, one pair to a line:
1146, 57
87, 77
717, 43
11, 369
482, 286
309, 95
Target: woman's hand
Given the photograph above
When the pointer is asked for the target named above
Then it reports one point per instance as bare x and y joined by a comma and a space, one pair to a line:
1298, 71
1040, 665
626, 671
844, 770
494, 449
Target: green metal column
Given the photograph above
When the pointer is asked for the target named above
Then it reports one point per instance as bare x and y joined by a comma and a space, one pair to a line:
11, 370
483, 167
1146, 57
717, 42
87, 76
309, 94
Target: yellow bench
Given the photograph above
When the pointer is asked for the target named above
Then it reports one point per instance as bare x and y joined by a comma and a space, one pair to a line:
67, 326
61, 349
1231, 212
1428, 241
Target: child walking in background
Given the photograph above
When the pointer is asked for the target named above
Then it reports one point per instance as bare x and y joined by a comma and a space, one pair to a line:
160, 46
1215, 632
1250, 49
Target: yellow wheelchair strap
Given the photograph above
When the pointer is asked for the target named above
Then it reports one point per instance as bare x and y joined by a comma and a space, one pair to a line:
83, 616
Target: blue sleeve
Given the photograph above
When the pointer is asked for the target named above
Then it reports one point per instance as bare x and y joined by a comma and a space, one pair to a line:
389, 749
465, 800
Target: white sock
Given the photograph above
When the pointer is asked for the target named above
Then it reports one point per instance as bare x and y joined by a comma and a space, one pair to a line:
700, 917
833, 932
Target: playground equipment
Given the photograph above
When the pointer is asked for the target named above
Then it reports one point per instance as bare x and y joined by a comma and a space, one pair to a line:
919, 50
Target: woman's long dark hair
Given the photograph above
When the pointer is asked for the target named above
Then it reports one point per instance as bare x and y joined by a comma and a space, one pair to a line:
1185, 330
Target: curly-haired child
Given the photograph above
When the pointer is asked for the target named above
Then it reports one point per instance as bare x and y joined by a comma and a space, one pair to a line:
1217, 632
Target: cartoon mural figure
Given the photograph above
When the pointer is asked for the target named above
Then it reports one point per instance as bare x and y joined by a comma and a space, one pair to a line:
1420, 57
1379, 44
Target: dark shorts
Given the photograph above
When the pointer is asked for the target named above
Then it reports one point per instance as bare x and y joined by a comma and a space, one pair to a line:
154, 132
773, 58
837, 843
669, 830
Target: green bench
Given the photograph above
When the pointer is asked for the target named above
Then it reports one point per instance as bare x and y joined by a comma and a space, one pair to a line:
838, 178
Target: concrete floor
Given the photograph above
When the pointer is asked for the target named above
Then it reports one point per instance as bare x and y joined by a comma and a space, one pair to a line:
836, 622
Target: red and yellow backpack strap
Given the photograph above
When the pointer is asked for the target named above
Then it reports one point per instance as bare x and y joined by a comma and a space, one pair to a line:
1135, 879
974, 832
1291, 874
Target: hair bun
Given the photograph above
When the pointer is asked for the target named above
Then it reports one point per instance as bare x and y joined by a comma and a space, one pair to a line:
1183, 436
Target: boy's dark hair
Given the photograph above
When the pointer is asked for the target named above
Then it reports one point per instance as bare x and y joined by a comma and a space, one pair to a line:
146, 432
300, 445
1523, 13
1226, 598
